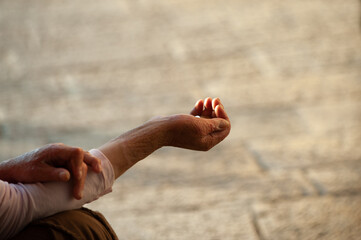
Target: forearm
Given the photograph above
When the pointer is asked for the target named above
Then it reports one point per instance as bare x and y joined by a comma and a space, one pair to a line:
184, 131
129, 148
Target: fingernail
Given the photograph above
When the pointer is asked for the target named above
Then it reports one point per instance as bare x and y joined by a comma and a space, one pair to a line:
80, 174
220, 105
78, 196
223, 125
63, 176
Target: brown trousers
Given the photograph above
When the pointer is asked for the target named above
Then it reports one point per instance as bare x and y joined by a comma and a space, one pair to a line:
80, 224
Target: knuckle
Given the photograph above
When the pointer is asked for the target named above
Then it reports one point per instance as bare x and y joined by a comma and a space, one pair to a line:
85, 167
54, 146
77, 151
58, 144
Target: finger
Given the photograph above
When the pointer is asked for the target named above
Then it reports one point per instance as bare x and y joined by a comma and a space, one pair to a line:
76, 162
207, 112
79, 183
63, 155
71, 157
50, 174
219, 124
62, 174
215, 103
93, 162
221, 113
198, 108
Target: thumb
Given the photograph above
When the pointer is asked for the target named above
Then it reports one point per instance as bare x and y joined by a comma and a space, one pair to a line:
220, 124
223, 125
62, 174
222, 129
53, 174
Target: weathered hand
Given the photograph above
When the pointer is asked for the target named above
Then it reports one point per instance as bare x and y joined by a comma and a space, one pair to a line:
53, 162
203, 133
184, 131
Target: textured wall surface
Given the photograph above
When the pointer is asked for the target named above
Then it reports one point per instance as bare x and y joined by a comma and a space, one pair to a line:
288, 72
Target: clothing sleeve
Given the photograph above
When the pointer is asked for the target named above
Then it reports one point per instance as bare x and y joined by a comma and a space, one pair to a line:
20, 204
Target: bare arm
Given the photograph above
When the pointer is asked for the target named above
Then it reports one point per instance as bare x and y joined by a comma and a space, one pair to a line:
184, 131
21, 204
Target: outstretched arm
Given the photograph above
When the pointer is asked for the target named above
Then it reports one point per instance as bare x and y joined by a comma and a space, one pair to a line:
184, 131
20, 204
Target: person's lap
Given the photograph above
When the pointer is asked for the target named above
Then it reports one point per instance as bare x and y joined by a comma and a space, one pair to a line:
75, 224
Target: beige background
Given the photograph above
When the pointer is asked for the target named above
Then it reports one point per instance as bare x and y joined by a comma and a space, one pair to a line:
288, 72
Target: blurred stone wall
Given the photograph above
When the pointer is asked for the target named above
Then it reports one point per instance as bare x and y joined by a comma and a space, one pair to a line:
288, 72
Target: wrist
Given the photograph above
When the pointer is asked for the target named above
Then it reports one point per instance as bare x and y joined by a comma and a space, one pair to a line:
175, 129
147, 138
161, 131
129, 148
7, 169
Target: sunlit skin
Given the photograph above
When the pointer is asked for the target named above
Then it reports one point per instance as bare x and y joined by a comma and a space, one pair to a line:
53, 162
58, 162
181, 130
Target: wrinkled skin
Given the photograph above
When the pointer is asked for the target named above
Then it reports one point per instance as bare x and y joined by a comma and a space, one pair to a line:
202, 129
205, 126
53, 162
201, 133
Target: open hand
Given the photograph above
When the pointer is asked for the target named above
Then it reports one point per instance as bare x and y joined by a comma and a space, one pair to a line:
183, 130
206, 126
